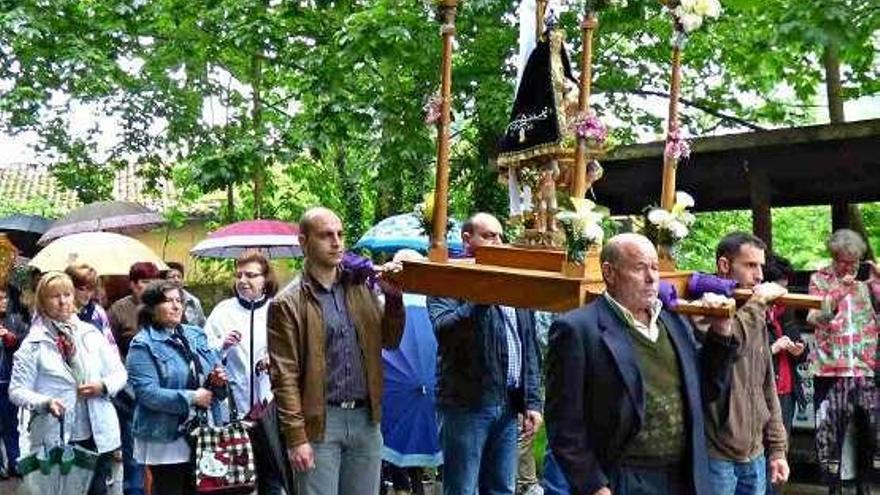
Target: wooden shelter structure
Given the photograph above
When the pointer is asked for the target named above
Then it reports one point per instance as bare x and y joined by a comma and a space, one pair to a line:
813, 165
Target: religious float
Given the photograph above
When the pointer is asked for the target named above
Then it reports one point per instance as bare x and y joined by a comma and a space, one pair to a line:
553, 143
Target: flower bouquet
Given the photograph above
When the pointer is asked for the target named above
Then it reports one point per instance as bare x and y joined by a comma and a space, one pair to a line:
583, 231
667, 228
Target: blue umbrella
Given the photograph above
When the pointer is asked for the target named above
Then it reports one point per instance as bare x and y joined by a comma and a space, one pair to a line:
405, 231
409, 418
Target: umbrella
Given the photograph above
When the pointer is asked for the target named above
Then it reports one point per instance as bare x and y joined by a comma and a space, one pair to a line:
107, 252
405, 231
409, 421
107, 216
24, 231
62, 469
276, 239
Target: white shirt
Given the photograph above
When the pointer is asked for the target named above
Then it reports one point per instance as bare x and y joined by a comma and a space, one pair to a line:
650, 331
230, 315
152, 453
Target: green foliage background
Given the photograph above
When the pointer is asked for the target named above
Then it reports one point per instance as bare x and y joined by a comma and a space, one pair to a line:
285, 104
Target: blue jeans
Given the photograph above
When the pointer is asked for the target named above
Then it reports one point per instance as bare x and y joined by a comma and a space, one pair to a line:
479, 450
738, 478
349, 459
132, 471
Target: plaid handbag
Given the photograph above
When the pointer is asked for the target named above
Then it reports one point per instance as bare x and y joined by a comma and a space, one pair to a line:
224, 456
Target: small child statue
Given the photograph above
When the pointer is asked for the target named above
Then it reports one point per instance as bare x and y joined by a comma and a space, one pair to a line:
546, 218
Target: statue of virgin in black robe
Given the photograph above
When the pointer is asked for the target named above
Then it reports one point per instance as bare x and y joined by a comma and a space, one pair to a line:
538, 123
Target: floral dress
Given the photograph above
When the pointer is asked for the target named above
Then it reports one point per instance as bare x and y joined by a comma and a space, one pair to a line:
846, 327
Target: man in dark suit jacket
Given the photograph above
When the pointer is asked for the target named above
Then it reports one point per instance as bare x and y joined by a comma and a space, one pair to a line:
626, 384
488, 374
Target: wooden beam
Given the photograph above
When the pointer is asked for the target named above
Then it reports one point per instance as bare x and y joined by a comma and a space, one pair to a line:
760, 199
790, 300
488, 284
438, 251
670, 164
579, 190
514, 257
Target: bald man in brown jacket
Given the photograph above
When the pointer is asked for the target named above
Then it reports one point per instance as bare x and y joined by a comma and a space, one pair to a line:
326, 332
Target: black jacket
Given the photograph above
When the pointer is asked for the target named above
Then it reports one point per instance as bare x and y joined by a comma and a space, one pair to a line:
595, 395
472, 356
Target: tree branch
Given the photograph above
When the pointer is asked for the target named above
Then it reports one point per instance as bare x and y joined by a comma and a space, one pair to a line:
693, 104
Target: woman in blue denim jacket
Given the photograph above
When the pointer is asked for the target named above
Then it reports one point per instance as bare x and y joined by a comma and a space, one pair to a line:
174, 373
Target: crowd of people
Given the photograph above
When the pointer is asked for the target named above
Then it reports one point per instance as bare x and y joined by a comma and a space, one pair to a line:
639, 400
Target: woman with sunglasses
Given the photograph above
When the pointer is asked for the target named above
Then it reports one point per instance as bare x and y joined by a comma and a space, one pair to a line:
237, 328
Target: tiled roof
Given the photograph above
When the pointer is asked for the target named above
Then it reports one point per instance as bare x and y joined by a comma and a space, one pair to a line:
22, 182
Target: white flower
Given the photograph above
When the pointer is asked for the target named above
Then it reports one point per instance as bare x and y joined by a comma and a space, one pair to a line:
684, 199
688, 218
688, 5
594, 233
691, 22
566, 216
678, 229
659, 216
709, 8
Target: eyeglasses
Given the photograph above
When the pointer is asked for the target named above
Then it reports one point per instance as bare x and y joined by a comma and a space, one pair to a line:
248, 275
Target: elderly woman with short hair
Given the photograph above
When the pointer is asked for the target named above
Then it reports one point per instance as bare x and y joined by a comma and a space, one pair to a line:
844, 358
65, 370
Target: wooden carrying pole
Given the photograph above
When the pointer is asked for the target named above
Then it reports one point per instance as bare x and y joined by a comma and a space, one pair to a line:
438, 251
670, 164
540, 11
589, 24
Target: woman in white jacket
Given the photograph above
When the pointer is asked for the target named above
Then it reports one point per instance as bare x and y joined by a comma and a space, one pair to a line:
66, 370
237, 328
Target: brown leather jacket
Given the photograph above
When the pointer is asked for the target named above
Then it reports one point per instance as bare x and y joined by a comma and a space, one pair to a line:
749, 420
297, 360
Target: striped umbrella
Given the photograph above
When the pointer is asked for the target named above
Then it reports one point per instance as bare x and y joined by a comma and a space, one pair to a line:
274, 238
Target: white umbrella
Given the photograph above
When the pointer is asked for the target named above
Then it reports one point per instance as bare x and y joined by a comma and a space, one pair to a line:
108, 253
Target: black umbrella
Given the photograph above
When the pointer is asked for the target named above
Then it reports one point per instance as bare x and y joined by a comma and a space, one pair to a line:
104, 216
24, 231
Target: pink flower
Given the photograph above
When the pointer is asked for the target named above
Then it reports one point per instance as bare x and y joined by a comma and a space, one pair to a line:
432, 110
589, 127
677, 148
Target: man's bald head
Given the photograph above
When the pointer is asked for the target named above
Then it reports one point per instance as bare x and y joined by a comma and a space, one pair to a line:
631, 272
313, 216
616, 246
480, 230
322, 237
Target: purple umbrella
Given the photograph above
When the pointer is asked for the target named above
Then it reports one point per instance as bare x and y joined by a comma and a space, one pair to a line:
122, 217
